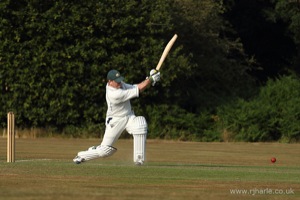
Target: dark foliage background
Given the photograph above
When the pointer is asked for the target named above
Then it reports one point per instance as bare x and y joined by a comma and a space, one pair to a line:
54, 57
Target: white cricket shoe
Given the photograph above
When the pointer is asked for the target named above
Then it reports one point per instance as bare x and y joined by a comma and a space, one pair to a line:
78, 160
139, 162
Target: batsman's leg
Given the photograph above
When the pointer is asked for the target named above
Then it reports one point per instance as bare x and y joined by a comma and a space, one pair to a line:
113, 130
93, 153
138, 128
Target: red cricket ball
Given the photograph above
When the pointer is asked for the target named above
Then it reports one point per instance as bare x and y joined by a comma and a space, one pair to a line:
273, 160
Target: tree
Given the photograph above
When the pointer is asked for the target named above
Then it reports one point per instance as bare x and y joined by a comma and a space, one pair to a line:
289, 13
55, 55
264, 39
220, 69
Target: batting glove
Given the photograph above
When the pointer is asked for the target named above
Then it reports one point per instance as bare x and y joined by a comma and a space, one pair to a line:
155, 77
153, 71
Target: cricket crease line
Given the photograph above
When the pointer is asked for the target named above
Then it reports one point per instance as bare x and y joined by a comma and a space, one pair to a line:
33, 160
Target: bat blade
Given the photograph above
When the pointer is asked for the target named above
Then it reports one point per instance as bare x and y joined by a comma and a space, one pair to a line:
166, 51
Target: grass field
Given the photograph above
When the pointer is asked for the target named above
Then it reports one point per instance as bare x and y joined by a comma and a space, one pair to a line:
174, 171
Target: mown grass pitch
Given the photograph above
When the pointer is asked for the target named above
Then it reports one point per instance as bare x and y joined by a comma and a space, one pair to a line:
174, 170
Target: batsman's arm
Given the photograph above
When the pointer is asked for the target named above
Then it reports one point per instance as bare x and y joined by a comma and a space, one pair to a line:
153, 79
144, 84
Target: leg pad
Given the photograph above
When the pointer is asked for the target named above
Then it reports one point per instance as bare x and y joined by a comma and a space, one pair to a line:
139, 148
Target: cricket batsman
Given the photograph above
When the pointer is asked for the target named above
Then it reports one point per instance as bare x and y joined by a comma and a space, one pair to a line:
120, 117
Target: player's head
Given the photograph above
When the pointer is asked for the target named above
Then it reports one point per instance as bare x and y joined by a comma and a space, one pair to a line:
114, 75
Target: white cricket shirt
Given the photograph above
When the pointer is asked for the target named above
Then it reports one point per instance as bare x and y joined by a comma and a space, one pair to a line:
118, 99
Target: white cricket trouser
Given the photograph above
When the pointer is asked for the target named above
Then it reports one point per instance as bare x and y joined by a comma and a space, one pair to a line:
137, 126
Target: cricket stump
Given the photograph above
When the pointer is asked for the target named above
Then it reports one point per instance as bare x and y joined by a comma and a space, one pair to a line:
10, 137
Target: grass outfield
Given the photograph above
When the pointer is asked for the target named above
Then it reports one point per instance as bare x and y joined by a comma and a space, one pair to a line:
174, 171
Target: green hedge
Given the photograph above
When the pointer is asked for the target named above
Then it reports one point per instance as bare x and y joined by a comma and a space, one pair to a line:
172, 122
274, 114
54, 56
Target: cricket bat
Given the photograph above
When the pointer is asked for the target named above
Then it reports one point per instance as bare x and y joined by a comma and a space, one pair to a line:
166, 51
